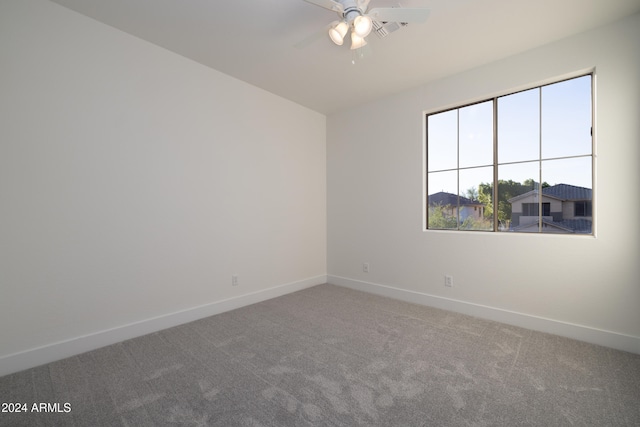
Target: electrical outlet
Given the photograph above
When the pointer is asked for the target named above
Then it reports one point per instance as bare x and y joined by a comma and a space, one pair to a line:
448, 281
365, 267
234, 280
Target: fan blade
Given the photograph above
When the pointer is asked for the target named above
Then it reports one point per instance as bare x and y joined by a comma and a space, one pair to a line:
363, 5
328, 4
309, 40
398, 14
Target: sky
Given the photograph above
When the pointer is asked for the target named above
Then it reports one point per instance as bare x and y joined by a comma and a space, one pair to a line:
543, 133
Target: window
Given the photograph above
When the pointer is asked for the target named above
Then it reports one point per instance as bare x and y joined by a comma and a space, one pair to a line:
533, 209
582, 208
523, 160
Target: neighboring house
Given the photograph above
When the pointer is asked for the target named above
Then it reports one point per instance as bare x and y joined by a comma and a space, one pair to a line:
565, 209
468, 207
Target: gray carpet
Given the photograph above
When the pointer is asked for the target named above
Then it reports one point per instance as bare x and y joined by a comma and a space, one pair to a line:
336, 357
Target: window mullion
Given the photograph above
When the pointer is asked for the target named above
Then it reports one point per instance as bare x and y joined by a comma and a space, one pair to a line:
458, 169
539, 161
494, 196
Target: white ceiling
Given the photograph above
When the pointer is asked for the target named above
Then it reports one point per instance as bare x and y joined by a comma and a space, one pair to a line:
255, 40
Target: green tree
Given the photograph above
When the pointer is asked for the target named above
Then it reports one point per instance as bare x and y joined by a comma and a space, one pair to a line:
485, 196
441, 217
471, 193
472, 223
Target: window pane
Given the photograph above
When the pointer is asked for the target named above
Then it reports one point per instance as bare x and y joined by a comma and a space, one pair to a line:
566, 118
442, 200
574, 171
519, 126
516, 190
570, 195
476, 135
443, 182
442, 140
476, 212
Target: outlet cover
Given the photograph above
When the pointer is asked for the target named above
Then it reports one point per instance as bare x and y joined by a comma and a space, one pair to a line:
448, 281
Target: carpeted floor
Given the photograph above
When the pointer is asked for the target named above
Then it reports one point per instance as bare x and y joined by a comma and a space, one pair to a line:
336, 357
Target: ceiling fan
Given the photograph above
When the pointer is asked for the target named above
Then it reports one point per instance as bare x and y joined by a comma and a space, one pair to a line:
354, 16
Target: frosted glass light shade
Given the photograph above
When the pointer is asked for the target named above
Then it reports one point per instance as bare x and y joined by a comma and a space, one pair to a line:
356, 41
362, 25
338, 31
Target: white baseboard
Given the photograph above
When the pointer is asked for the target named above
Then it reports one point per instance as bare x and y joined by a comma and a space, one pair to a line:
569, 330
51, 352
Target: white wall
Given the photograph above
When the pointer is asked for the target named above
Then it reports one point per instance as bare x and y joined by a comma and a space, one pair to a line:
584, 287
135, 182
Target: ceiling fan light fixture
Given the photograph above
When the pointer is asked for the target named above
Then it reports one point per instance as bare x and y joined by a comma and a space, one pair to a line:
362, 25
337, 32
356, 41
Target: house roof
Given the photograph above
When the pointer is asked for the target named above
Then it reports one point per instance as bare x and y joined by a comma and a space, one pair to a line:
568, 192
444, 199
578, 226
563, 192
529, 193
581, 226
545, 222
